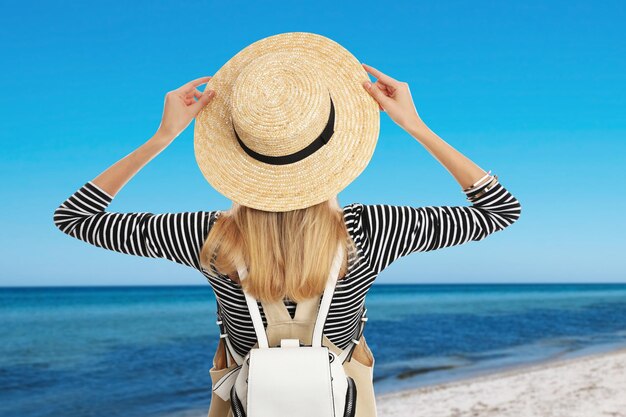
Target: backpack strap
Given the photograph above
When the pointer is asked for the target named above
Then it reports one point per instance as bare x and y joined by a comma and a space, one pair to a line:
327, 297
253, 308
320, 320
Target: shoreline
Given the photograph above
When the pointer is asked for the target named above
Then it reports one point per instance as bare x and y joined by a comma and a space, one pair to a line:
585, 385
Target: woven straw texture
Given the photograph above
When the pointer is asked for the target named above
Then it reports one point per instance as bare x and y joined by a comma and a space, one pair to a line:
275, 93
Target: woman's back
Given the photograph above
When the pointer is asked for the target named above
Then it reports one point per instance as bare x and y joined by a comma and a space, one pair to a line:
382, 233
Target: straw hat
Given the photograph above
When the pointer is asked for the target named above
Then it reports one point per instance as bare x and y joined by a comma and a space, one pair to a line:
291, 124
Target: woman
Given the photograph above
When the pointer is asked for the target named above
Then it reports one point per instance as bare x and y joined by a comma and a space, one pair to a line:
276, 245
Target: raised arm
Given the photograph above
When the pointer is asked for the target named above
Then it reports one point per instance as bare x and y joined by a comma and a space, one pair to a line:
174, 236
394, 98
396, 231
179, 110
177, 237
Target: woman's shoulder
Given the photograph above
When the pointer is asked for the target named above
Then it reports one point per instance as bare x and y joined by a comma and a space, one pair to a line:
352, 214
213, 216
353, 209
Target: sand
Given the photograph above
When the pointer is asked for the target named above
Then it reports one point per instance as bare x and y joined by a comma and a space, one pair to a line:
587, 386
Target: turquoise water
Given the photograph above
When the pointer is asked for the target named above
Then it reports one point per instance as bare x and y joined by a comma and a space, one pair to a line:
139, 351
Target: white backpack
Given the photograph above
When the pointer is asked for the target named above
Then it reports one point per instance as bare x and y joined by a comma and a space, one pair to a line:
291, 379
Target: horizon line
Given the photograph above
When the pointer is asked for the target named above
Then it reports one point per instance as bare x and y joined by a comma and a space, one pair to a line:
374, 284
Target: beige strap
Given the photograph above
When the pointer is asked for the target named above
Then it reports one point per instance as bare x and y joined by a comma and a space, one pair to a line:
275, 312
307, 309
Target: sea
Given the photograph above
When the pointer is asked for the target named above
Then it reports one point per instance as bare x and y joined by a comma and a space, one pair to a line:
146, 351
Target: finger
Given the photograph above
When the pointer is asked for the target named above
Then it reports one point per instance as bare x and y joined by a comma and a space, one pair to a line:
377, 93
194, 83
188, 101
380, 76
202, 101
388, 89
190, 95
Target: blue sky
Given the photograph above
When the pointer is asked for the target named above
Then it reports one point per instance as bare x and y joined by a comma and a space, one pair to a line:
534, 91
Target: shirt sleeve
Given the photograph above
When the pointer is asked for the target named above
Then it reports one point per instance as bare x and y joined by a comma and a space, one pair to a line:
396, 231
175, 236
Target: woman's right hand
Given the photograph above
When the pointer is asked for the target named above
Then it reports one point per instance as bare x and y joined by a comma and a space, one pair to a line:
393, 97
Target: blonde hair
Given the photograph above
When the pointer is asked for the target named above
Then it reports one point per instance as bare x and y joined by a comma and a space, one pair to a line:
287, 254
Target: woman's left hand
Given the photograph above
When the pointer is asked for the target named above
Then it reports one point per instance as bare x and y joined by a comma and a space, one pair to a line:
181, 107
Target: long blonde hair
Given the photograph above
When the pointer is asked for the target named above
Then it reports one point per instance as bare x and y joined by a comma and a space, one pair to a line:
287, 254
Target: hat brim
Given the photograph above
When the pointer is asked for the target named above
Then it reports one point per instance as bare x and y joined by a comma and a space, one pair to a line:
314, 179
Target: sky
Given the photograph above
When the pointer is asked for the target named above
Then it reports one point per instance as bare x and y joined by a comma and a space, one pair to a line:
533, 91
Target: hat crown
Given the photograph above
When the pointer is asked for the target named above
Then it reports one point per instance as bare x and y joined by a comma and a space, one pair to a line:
279, 104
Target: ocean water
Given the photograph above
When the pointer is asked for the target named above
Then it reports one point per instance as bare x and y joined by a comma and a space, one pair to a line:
147, 351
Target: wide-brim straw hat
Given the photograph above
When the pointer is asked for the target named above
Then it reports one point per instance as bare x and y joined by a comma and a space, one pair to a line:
290, 125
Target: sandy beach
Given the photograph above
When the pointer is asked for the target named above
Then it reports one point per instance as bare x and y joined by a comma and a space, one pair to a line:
589, 386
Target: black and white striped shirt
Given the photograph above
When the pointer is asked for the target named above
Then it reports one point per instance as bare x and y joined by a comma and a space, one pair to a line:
382, 233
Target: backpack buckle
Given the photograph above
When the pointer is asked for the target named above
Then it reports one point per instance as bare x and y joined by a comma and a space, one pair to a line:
289, 343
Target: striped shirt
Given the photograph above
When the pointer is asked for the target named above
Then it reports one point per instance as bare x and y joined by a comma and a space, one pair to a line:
381, 232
